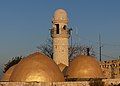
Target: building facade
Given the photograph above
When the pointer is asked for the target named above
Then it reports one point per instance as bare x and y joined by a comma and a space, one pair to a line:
111, 68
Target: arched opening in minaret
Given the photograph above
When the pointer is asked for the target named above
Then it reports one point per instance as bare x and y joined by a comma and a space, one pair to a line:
64, 27
57, 28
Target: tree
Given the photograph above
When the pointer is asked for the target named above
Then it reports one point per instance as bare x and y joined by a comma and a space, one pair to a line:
47, 48
1, 73
74, 50
12, 62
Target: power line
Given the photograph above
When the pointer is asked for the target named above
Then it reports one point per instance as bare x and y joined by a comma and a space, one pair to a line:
107, 44
98, 44
107, 56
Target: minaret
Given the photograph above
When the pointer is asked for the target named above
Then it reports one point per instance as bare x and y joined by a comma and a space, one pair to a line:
60, 35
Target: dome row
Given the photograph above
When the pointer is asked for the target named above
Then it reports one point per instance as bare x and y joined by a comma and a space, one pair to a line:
40, 68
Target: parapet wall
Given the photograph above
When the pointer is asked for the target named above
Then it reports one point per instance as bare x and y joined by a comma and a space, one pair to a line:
107, 82
44, 84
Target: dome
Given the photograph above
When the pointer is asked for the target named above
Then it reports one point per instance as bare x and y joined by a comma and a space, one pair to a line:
8, 73
60, 15
84, 67
37, 67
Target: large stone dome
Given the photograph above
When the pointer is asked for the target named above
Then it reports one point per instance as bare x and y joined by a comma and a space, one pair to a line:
7, 74
84, 67
37, 67
60, 15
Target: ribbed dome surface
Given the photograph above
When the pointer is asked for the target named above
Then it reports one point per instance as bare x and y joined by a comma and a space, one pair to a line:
60, 15
8, 73
37, 67
84, 67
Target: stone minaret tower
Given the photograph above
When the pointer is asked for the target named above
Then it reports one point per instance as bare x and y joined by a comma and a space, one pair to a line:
60, 35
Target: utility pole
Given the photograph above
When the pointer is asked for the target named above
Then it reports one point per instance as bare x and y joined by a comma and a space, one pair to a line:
71, 36
100, 47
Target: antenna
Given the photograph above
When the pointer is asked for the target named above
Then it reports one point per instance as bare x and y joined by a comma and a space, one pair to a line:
100, 47
70, 31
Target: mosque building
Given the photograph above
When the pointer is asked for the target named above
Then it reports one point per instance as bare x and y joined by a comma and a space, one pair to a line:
38, 67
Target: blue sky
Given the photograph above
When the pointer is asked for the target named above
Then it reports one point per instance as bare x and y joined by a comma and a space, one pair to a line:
25, 24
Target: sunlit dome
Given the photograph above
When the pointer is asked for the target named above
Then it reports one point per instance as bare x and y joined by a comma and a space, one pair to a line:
7, 74
60, 15
84, 67
37, 67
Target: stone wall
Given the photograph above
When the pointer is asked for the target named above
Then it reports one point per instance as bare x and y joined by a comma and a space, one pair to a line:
44, 84
107, 82
111, 81
111, 68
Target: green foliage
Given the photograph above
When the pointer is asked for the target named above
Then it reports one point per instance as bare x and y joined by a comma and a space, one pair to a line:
12, 62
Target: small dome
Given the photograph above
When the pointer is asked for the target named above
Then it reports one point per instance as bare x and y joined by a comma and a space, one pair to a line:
60, 15
84, 67
7, 74
37, 67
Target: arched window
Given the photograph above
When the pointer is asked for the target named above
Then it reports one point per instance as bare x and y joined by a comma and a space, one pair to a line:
64, 27
57, 28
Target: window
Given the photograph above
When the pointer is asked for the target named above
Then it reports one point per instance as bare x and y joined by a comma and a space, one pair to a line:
57, 28
64, 27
